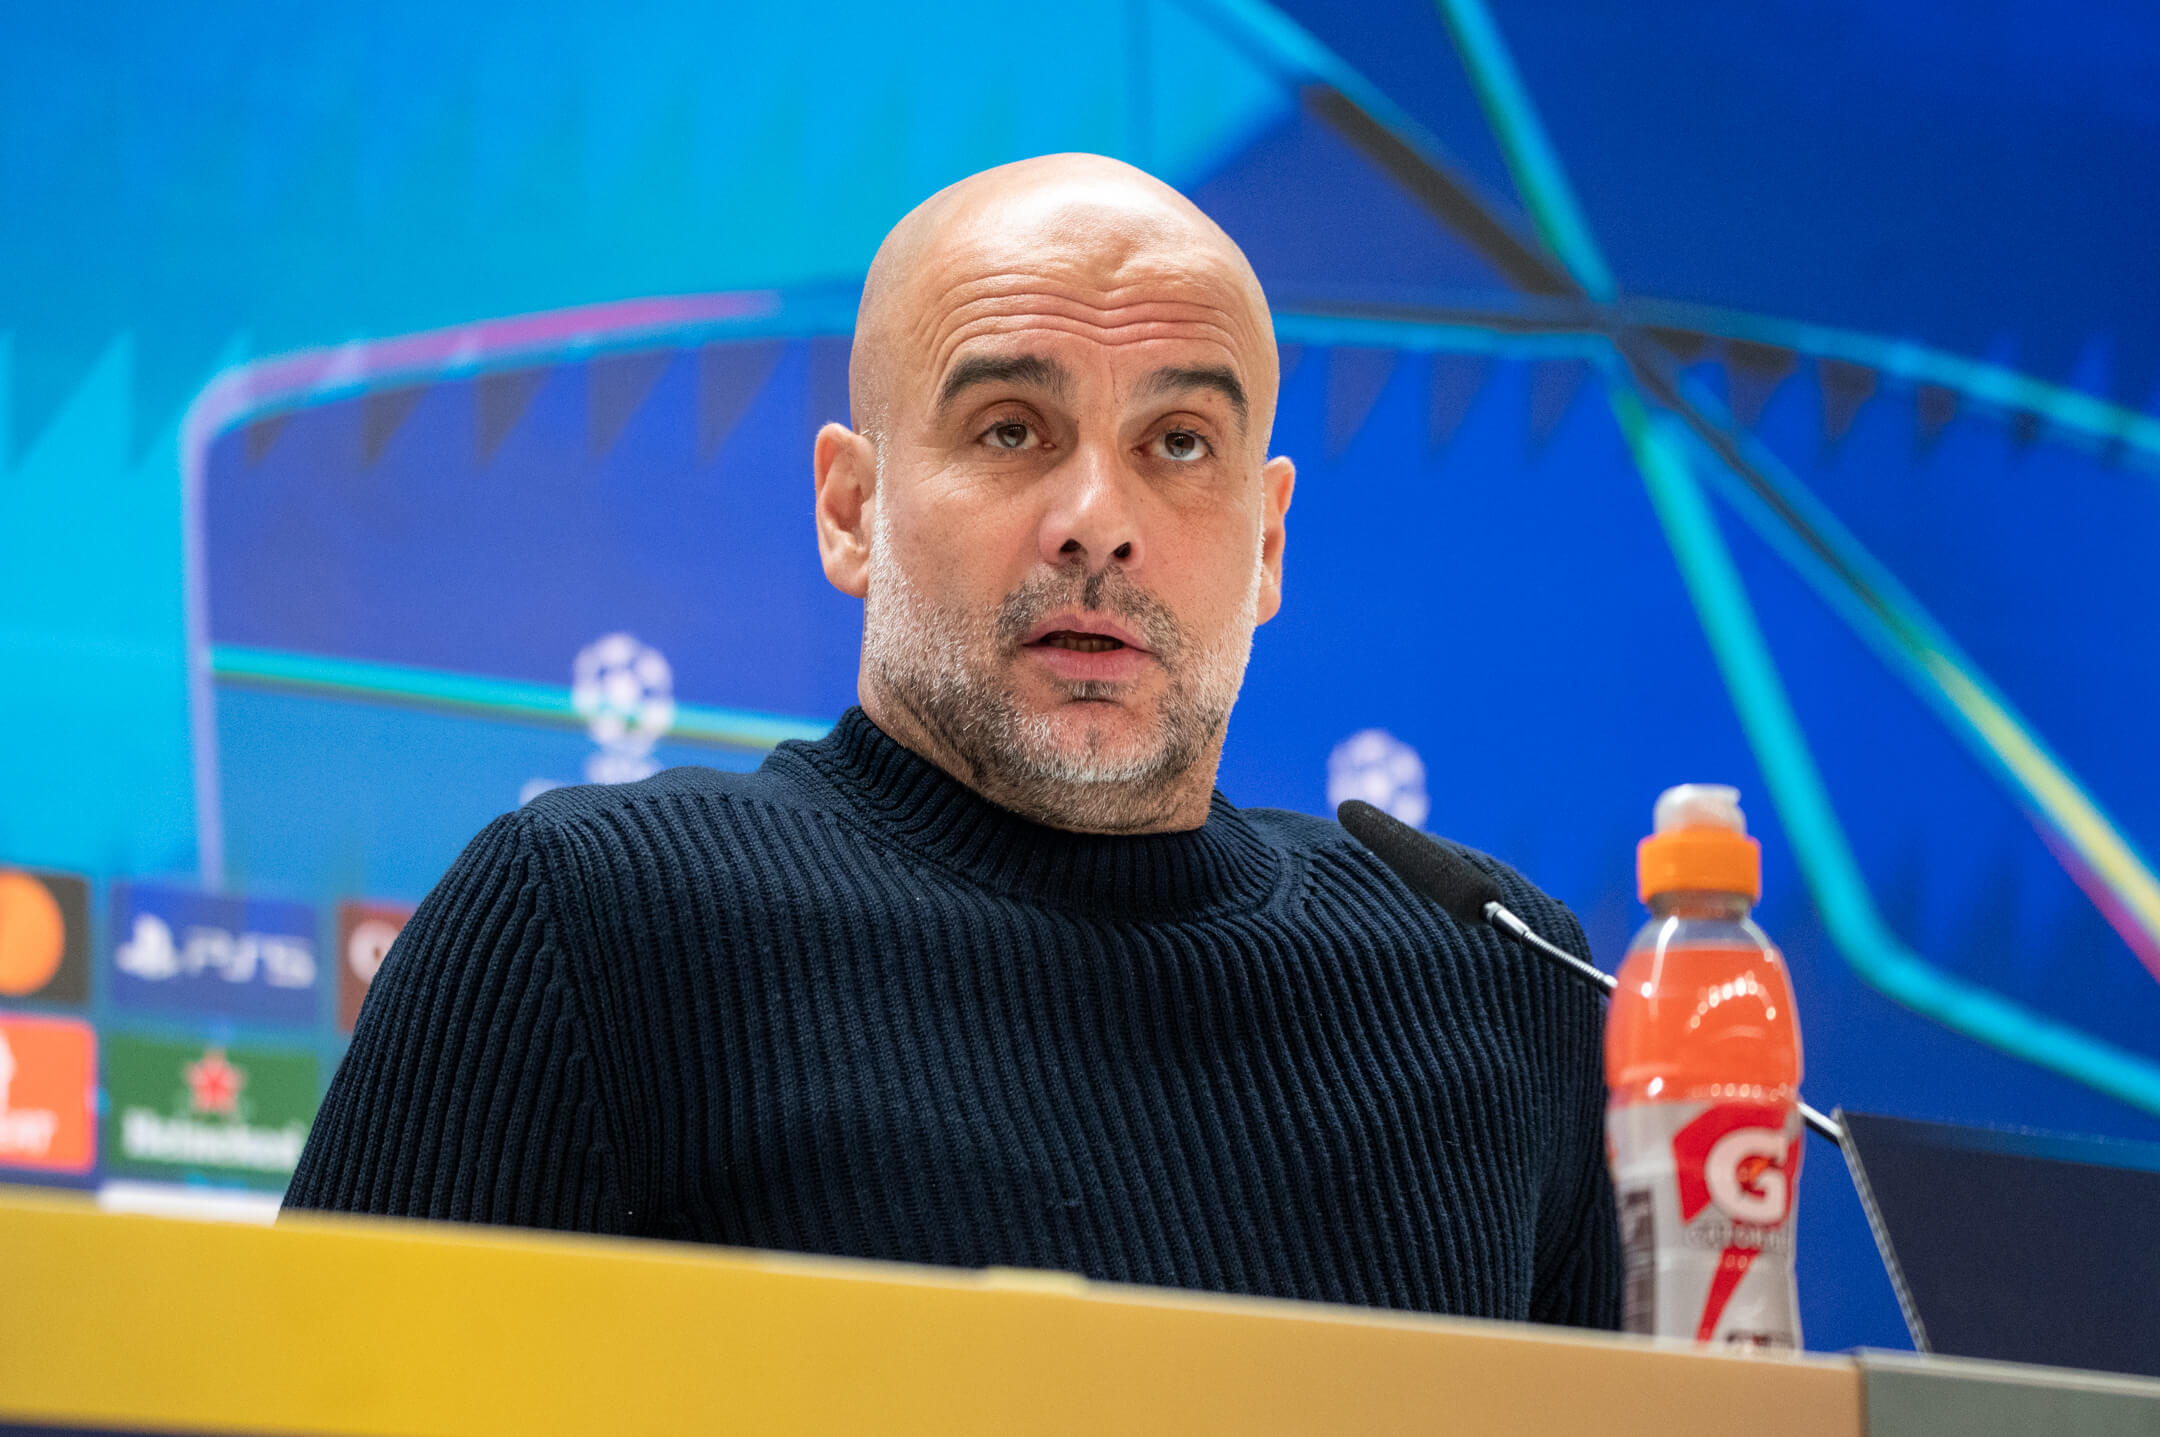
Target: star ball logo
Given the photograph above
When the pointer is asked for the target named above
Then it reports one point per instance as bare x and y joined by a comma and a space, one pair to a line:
48, 1094
178, 950
365, 933
227, 1114
1381, 769
624, 690
44, 936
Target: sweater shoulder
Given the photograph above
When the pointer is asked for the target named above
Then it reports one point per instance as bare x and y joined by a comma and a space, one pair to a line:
1352, 874
1317, 837
578, 806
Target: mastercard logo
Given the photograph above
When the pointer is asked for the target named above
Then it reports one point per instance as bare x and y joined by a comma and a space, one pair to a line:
44, 950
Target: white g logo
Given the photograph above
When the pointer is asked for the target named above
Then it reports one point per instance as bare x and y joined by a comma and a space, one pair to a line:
1764, 1201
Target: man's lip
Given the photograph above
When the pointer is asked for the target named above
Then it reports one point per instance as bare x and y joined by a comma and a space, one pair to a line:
1072, 621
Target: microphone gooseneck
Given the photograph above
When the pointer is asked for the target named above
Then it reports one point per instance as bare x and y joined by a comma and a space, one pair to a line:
1438, 870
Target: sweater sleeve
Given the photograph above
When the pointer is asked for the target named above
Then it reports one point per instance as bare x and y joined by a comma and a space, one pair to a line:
468, 1093
1579, 1267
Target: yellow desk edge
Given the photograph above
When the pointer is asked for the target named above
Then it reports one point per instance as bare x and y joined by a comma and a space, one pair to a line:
343, 1325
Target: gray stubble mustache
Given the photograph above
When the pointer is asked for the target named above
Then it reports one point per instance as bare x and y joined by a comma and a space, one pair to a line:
1106, 591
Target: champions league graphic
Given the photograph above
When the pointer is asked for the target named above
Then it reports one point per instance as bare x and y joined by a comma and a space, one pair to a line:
625, 692
1382, 770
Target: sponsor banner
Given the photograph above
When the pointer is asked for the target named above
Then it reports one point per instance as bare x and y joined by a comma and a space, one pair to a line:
175, 950
44, 936
231, 1114
48, 1094
365, 932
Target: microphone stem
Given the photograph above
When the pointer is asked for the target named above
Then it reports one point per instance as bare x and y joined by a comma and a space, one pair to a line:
1500, 917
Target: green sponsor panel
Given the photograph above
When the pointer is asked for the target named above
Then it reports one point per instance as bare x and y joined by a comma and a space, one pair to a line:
203, 1110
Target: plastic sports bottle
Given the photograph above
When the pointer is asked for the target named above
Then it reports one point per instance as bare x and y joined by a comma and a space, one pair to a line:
1702, 1060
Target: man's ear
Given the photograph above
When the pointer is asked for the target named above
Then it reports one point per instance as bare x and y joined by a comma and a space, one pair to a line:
1277, 478
846, 471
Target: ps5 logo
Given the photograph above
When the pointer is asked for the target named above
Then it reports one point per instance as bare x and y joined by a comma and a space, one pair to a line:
180, 950
150, 953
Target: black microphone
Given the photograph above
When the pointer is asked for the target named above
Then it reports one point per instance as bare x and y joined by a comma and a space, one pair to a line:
1439, 870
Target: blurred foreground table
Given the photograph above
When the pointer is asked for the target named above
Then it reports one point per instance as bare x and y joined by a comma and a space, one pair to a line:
326, 1325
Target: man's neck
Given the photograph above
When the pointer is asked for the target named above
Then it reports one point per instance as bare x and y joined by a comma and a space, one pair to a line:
1175, 804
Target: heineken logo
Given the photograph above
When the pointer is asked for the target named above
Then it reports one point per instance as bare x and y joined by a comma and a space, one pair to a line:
214, 1084
191, 1109
145, 1137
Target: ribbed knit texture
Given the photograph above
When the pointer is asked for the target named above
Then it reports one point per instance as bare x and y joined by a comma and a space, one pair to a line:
844, 1005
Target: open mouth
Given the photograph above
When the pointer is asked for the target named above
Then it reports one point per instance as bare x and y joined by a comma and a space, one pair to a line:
1080, 643
1079, 646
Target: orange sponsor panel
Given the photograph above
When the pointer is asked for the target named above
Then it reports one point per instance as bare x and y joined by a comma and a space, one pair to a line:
48, 1092
44, 936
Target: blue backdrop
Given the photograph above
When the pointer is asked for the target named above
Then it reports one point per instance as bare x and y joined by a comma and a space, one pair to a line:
1720, 396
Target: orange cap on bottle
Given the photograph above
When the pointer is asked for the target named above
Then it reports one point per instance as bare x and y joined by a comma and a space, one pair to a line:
1700, 845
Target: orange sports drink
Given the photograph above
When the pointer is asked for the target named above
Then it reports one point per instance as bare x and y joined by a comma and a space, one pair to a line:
1702, 1060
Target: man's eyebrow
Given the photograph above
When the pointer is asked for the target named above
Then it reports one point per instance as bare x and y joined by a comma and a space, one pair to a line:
1176, 379
1032, 370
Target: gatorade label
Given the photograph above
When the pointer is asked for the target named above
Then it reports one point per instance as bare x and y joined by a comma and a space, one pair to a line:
1706, 1194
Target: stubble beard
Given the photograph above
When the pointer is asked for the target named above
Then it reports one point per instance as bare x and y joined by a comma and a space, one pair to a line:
951, 669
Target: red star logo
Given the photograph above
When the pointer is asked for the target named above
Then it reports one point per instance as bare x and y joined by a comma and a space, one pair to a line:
213, 1084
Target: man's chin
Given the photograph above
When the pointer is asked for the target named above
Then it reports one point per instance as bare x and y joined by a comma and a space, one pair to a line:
1098, 739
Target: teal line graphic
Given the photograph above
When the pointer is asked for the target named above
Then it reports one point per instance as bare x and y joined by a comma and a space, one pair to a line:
1833, 876
510, 699
1530, 158
797, 313
1305, 327
1290, 51
1993, 384
1803, 804
1869, 598
1287, 50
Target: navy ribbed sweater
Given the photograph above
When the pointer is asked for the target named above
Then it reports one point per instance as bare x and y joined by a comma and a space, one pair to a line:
844, 1005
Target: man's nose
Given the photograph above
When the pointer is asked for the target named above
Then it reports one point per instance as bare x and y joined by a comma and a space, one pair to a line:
1094, 512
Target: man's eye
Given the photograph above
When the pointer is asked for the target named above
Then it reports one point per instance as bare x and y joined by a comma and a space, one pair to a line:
1012, 434
1181, 446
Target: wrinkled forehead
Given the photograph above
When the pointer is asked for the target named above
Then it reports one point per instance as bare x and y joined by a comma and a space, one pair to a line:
1101, 268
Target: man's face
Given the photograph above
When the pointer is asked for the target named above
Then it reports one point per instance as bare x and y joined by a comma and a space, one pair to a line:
1074, 531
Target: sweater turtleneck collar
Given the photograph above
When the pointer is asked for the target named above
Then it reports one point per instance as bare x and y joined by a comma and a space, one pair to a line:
1154, 875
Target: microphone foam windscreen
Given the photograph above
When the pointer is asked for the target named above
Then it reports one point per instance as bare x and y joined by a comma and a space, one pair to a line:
1430, 866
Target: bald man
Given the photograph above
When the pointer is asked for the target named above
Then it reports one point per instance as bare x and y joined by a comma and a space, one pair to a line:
992, 974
